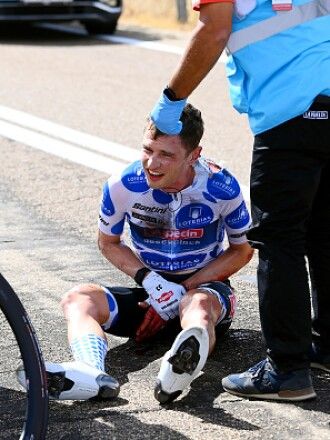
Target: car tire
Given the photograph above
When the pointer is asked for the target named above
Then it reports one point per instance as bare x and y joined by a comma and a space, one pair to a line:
97, 27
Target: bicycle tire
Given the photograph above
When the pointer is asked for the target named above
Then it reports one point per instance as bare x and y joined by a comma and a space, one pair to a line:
36, 413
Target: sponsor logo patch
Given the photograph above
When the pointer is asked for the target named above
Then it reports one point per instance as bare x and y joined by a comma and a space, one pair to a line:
134, 179
149, 208
316, 114
160, 262
174, 234
165, 296
194, 215
147, 218
223, 186
239, 217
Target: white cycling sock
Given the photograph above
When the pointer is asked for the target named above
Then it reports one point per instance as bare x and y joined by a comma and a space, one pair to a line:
91, 349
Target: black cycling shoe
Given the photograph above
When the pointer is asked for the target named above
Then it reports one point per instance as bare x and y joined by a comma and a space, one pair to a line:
109, 387
185, 360
162, 396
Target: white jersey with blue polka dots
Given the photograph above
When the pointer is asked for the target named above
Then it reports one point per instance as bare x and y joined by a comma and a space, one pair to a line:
176, 232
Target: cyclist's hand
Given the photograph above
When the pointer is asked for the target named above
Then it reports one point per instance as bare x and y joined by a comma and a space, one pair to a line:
166, 115
150, 325
164, 296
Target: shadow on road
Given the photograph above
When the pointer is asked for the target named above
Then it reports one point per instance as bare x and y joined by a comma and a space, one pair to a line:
123, 419
63, 35
12, 413
235, 352
88, 421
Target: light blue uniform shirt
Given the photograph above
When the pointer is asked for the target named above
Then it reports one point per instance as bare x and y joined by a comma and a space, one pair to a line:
279, 61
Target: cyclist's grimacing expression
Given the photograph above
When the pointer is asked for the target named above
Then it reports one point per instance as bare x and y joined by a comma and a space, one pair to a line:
166, 162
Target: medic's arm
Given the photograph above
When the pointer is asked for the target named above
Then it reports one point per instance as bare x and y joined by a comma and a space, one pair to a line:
204, 49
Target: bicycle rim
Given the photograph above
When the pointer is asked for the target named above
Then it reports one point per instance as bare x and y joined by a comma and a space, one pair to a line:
24, 415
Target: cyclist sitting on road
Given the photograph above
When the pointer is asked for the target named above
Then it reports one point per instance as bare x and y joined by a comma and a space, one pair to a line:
178, 207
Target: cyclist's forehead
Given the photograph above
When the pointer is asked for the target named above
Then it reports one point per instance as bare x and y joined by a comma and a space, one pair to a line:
163, 143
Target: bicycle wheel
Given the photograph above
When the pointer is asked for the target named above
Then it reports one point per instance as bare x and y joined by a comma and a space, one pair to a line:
24, 415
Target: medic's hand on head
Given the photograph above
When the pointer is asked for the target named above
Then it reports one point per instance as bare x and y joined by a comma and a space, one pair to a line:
166, 115
164, 296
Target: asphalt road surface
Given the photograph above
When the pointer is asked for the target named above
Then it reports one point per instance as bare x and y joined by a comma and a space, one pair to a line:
50, 184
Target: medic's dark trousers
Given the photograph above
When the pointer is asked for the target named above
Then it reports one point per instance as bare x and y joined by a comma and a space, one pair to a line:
290, 198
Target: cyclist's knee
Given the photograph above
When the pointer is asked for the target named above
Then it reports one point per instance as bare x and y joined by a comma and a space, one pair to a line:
198, 302
196, 298
83, 299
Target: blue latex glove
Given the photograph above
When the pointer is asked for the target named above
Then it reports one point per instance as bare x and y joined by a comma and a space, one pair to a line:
166, 115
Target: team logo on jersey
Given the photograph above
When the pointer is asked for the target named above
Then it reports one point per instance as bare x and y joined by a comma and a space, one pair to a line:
174, 234
160, 262
239, 217
196, 214
223, 186
134, 179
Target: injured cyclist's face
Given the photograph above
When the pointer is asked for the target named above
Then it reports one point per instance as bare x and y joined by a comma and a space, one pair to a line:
166, 162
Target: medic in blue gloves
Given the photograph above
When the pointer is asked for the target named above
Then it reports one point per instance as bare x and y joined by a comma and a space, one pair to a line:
281, 79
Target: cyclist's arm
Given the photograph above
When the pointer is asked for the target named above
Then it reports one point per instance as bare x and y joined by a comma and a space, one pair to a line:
204, 48
231, 261
119, 254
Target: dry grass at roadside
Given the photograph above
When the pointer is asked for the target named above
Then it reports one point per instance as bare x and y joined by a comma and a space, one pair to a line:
157, 14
